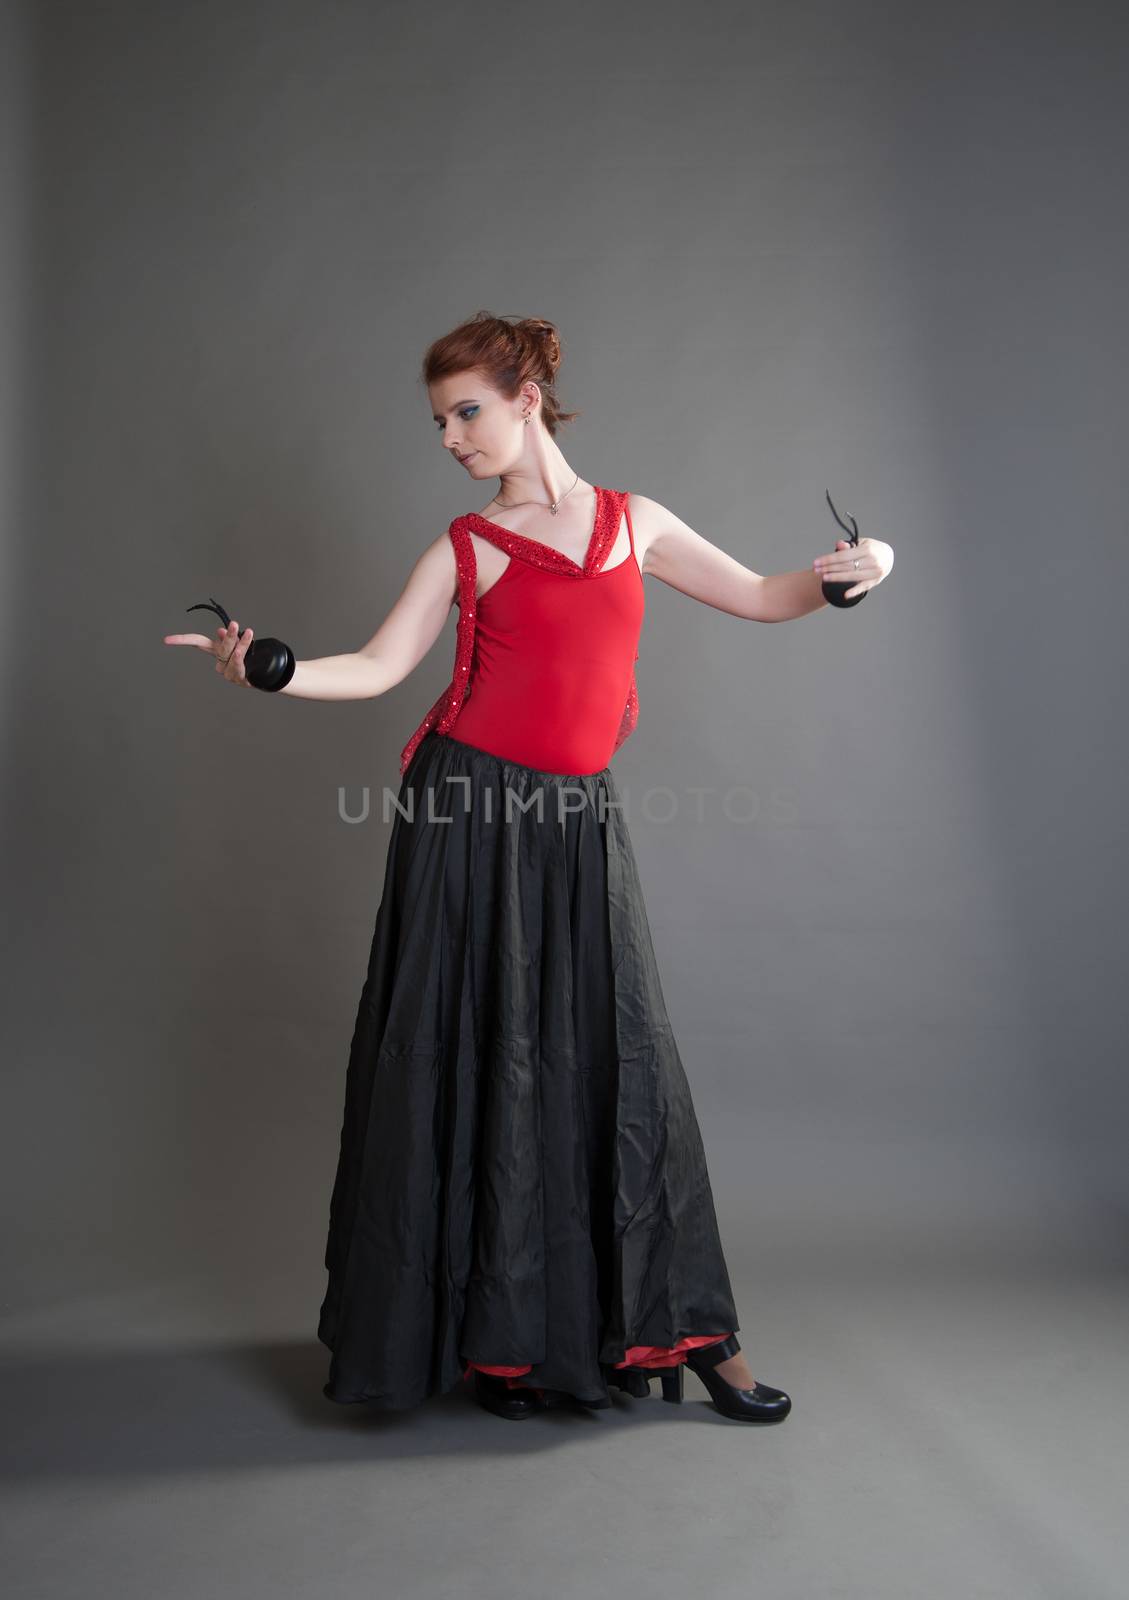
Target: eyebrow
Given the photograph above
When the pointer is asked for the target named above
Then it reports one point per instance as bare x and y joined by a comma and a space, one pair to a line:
437, 416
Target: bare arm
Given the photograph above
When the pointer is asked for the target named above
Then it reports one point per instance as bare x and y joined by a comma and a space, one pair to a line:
398, 645
674, 553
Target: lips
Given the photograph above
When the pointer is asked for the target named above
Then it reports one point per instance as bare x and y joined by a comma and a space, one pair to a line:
465, 459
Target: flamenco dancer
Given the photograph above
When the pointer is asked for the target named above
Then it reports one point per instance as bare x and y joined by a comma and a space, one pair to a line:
521, 1189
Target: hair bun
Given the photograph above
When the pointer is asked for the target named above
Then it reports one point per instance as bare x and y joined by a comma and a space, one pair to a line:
546, 334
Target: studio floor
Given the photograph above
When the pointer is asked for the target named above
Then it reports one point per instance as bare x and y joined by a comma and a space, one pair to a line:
958, 1429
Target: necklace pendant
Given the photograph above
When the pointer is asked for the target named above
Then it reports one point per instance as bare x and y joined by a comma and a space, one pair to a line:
553, 507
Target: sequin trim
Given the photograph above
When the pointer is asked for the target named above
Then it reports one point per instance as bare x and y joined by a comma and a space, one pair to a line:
610, 505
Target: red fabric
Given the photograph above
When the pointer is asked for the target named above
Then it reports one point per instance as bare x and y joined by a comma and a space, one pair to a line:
637, 1355
544, 666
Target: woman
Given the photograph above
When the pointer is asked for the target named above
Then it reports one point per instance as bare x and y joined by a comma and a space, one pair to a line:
521, 1188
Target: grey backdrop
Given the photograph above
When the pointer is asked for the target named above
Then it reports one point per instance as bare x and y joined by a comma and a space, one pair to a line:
861, 247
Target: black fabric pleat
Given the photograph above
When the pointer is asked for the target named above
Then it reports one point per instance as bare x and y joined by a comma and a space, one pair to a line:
521, 1176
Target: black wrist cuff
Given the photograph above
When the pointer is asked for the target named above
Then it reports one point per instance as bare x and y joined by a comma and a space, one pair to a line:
269, 664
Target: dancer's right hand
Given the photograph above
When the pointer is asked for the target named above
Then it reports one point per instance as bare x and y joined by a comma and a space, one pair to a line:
228, 649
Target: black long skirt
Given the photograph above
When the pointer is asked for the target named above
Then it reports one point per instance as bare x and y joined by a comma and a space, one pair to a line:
521, 1176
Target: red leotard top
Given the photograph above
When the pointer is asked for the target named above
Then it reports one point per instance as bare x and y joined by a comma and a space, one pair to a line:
545, 659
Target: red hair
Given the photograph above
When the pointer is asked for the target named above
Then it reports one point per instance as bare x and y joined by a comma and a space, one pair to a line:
508, 353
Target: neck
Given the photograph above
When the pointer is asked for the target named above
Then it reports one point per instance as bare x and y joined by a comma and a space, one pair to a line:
541, 475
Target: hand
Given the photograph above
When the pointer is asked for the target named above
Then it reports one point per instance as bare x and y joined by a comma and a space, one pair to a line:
874, 558
228, 648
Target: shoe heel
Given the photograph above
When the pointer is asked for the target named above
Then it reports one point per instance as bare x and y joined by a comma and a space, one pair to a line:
672, 1383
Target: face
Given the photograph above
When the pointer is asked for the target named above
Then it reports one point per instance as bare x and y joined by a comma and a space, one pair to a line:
474, 421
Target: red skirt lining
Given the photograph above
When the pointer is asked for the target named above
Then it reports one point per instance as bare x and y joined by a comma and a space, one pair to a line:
637, 1355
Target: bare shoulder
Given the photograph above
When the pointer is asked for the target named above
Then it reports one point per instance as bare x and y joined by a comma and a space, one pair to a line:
649, 521
440, 554
434, 576
437, 563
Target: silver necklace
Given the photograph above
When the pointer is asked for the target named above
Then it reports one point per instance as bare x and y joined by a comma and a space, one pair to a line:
507, 505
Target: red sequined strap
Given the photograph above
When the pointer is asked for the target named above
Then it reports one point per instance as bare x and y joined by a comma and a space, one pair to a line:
610, 507
609, 513
443, 713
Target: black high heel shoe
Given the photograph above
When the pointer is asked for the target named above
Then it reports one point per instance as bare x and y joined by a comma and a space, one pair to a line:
759, 1404
492, 1391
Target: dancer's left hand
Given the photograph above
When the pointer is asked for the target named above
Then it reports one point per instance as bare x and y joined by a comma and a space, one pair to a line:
874, 558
